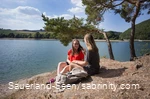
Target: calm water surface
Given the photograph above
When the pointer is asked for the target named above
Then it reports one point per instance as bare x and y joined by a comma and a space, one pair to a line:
25, 58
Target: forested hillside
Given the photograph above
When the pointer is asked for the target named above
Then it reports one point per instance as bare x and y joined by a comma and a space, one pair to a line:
142, 31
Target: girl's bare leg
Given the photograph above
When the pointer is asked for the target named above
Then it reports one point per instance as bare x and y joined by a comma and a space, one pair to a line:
65, 69
73, 65
60, 67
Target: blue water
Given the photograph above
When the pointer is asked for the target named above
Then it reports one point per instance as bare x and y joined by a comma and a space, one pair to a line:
25, 58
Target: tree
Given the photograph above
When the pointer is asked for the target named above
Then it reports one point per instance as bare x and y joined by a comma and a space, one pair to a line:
11, 35
109, 45
2, 35
128, 9
29, 35
46, 35
37, 35
65, 30
17, 36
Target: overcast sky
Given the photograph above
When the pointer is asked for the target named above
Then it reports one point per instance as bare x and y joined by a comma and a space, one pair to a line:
26, 14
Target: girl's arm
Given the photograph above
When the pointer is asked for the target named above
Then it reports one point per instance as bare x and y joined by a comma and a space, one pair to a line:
81, 63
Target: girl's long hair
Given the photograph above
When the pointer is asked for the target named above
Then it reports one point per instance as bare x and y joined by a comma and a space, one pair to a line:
79, 49
90, 43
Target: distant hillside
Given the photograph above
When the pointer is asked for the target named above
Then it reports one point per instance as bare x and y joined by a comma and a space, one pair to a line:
113, 35
142, 31
8, 33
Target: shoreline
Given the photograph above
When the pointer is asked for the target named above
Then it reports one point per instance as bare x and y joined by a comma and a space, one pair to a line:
24, 78
97, 40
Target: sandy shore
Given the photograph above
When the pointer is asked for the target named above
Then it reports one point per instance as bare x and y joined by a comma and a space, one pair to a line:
134, 75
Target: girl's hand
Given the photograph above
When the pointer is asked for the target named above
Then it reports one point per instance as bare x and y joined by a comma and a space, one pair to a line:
75, 62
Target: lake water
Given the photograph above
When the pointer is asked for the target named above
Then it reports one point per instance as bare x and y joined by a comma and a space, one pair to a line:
25, 58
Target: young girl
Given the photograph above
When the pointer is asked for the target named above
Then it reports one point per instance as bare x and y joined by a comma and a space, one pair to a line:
91, 64
76, 53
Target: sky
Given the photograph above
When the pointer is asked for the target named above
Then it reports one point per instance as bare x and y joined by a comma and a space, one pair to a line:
26, 14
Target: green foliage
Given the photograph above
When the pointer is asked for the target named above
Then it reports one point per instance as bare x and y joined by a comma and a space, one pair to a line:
11, 35
37, 35
126, 11
47, 35
113, 35
65, 30
93, 12
142, 31
98, 36
59, 26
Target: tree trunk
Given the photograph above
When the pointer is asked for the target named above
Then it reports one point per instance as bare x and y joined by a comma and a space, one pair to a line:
132, 50
109, 46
